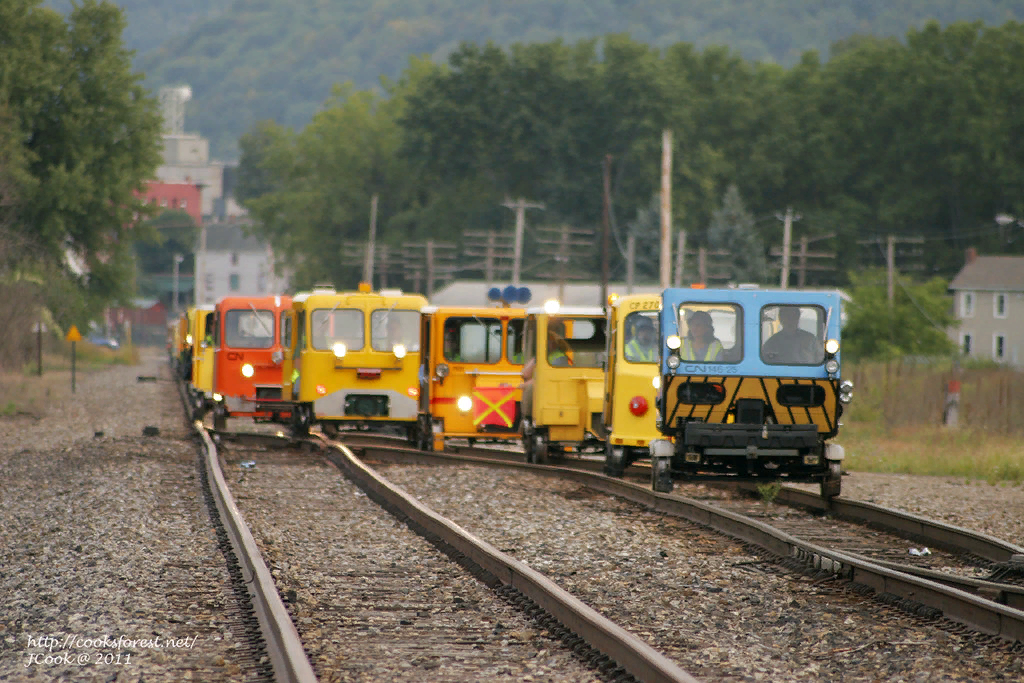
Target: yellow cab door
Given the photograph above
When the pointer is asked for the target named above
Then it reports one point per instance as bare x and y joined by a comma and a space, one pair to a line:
569, 392
480, 390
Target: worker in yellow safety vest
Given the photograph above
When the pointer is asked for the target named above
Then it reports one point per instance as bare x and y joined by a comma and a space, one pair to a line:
700, 344
641, 349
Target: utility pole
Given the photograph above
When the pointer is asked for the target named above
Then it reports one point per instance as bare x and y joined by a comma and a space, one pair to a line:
495, 249
519, 206
805, 254
630, 262
680, 256
368, 265
200, 284
890, 260
606, 248
178, 258
666, 207
385, 263
567, 241
787, 243
437, 259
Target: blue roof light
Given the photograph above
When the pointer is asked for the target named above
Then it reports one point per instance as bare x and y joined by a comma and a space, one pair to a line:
523, 295
494, 294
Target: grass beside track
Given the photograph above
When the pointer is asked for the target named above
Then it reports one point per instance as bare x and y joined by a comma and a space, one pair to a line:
934, 450
28, 393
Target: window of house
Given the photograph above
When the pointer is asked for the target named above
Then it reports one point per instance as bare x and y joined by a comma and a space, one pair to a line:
234, 258
966, 344
184, 203
999, 305
999, 347
163, 202
233, 282
174, 203
967, 305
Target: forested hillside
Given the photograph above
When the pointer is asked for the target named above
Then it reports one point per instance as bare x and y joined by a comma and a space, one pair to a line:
919, 138
277, 59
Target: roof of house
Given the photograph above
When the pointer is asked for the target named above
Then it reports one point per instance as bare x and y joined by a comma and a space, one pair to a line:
232, 237
993, 273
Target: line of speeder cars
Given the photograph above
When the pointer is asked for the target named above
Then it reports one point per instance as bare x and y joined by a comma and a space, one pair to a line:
703, 384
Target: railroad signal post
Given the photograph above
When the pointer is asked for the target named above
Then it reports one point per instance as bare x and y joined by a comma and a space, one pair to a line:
73, 336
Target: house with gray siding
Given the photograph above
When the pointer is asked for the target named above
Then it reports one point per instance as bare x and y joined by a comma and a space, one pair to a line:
232, 262
988, 300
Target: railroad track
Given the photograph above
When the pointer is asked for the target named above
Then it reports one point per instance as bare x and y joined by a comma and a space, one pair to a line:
989, 605
610, 651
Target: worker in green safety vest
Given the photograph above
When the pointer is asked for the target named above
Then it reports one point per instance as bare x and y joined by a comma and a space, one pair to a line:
700, 344
641, 348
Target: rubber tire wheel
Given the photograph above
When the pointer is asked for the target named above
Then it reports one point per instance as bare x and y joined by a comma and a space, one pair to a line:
540, 452
614, 463
661, 475
832, 484
220, 419
300, 422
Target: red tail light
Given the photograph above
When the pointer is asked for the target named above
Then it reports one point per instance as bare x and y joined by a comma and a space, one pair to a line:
638, 405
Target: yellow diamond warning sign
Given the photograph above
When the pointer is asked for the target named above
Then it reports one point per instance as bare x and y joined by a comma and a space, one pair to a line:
73, 334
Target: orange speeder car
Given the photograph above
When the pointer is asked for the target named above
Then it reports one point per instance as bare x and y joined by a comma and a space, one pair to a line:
250, 333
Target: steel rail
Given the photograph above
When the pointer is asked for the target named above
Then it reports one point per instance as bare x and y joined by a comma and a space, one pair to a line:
938, 534
979, 613
628, 651
284, 647
287, 656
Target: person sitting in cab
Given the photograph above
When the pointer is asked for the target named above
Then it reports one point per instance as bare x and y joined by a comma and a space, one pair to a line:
558, 347
641, 348
792, 344
700, 344
451, 344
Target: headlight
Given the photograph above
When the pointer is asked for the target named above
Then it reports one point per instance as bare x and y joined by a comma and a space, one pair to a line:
217, 397
399, 350
551, 306
656, 382
442, 370
673, 342
832, 366
465, 404
673, 361
845, 398
832, 346
188, 339
846, 386
339, 350
247, 370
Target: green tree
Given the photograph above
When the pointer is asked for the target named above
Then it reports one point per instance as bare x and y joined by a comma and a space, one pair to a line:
732, 229
89, 139
915, 325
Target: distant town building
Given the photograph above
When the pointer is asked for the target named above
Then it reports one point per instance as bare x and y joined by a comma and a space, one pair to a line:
234, 263
988, 300
178, 196
186, 158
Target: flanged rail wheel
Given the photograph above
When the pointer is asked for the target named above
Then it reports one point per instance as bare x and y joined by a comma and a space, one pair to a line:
661, 475
614, 460
832, 484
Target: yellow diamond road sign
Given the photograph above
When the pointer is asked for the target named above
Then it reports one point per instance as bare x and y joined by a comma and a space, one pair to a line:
73, 334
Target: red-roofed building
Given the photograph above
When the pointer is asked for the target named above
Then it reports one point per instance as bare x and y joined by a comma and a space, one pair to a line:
181, 196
